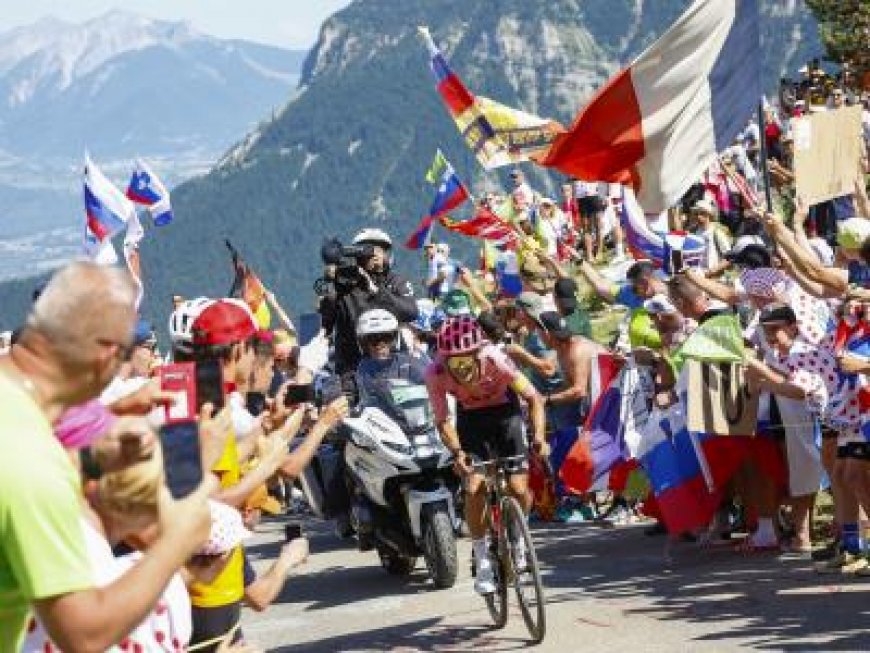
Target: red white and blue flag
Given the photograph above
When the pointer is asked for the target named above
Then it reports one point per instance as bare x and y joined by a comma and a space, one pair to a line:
145, 188
674, 463
641, 240
660, 122
484, 225
451, 193
107, 210
584, 454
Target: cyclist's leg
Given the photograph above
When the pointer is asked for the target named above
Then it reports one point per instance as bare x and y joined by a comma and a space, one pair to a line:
475, 505
511, 444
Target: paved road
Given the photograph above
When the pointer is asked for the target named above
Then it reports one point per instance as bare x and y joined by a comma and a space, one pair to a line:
607, 590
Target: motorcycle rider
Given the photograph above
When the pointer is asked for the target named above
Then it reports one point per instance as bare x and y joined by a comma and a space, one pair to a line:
487, 388
378, 334
377, 287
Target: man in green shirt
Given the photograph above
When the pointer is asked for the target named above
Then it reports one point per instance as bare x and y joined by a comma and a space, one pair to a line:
77, 334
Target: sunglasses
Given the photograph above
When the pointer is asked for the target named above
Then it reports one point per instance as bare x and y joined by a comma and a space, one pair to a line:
379, 338
462, 366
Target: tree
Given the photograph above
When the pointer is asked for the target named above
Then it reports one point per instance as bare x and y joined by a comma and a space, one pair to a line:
844, 27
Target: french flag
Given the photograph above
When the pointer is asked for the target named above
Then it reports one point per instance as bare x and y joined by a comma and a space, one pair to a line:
673, 462
451, 193
145, 188
585, 454
107, 210
660, 122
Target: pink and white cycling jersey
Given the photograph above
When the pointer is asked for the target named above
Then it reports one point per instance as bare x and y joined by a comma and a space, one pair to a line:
498, 375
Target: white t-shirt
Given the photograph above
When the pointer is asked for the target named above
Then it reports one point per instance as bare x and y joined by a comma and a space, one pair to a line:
167, 627
243, 421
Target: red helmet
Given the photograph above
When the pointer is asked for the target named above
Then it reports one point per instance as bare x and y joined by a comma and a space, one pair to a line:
460, 335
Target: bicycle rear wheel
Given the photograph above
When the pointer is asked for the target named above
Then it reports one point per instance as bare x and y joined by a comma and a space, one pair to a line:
524, 568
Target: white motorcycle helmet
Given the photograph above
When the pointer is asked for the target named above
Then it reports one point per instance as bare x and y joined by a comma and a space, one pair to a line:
181, 322
373, 236
375, 322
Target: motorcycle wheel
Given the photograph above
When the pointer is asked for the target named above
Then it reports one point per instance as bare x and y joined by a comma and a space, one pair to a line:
396, 564
439, 547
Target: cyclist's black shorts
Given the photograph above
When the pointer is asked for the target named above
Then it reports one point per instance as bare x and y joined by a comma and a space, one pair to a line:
494, 432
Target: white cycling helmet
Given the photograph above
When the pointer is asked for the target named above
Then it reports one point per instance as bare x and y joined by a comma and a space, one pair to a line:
182, 319
377, 320
373, 236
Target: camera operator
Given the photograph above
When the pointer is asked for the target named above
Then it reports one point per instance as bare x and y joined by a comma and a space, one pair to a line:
370, 284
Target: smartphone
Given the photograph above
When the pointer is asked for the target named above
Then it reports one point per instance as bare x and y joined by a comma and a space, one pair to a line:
292, 532
255, 402
180, 380
182, 461
209, 384
309, 327
299, 394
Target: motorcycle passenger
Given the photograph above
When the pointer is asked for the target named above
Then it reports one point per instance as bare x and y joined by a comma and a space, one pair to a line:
377, 287
487, 387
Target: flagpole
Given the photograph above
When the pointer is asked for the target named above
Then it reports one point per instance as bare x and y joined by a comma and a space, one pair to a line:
762, 153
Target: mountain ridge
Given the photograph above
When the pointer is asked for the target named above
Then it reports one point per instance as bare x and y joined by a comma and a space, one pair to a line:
351, 148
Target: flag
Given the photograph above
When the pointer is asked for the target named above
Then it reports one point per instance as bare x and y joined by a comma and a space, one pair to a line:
107, 210
672, 462
484, 225
451, 193
145, 188
660, 122
248, 287
718, 339
692, 249
641, 240
100, 252
132, 238
498, 135
436, 170
588, 452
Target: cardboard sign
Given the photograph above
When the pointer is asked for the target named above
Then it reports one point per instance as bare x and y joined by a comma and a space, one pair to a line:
826, 153
719, 401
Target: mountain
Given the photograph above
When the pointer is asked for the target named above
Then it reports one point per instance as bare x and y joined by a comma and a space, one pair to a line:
122, 83
351, 148
120, 86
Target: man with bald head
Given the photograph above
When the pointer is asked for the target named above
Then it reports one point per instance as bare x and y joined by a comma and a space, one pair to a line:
78, 333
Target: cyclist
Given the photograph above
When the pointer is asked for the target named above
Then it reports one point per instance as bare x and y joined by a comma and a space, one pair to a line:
487, 388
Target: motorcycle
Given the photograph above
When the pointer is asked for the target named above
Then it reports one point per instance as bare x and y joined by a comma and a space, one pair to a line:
404, 497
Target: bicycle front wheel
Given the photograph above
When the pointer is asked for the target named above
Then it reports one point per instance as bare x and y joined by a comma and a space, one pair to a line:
497, 602
524, 567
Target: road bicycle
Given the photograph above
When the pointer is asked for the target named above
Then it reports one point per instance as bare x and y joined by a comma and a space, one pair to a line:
512, 552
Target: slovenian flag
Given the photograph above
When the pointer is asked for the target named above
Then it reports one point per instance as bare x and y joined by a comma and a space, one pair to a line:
145, 188
672, 461
662, 120
451, 193
107, 211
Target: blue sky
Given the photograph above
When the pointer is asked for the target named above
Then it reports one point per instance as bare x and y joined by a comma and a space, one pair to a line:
288, 23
